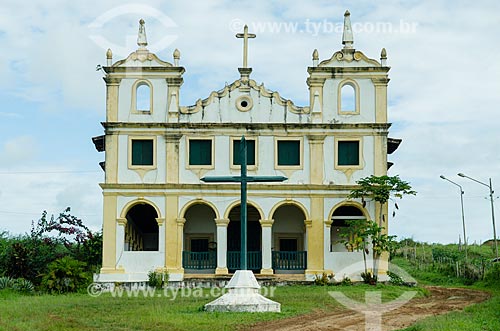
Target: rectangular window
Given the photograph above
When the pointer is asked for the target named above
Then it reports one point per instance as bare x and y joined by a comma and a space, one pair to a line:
289, 152
200, 152
142, 152
250, 152
348, 153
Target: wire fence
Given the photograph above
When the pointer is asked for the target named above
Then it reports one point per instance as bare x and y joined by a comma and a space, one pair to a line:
450, 261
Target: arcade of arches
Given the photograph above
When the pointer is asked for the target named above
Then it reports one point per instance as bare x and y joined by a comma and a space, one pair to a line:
276, 245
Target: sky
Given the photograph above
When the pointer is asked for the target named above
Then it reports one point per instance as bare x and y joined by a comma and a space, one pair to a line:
444, 93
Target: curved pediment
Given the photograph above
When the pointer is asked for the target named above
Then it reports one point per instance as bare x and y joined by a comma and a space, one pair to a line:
142, 58
262, 91
349, 58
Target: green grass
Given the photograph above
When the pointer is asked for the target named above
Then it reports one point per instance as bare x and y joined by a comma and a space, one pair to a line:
478, 317
483, 316
82, 312
425, 277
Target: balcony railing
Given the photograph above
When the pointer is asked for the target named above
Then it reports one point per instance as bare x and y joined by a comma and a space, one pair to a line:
282, 260
254, 260
292, 260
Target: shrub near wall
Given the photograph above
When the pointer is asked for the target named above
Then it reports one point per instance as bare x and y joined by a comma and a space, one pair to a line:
65, 275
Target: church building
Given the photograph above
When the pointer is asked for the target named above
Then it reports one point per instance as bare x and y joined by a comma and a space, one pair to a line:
158, 213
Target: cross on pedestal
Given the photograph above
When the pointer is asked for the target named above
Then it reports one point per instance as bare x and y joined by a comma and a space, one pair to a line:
245, 35
243, 179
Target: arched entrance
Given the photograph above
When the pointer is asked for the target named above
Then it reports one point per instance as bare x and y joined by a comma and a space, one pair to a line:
141, 232
254, 235
340, 222
288, 239
200, 235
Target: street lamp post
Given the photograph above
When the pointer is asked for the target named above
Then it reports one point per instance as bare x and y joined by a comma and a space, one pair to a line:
490, 186
463, 217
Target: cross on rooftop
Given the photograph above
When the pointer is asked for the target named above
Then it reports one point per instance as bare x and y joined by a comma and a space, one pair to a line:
245, 35
243, 179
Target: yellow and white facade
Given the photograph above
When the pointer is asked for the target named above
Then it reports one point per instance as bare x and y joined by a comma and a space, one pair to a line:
159, 215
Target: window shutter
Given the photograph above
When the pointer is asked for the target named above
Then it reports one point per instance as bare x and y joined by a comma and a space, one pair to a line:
289, 152
142, 152
200, 152
136, 152
250, 152
348, 153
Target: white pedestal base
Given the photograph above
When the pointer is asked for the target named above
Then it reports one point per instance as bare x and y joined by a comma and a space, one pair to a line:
243, 296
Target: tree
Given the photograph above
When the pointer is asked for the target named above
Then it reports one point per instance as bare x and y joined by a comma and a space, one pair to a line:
50, 238
81, 243
381, 189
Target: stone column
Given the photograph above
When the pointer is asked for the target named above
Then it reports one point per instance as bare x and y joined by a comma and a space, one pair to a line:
109, 234
316, 97
315, 241
121, 223
161, 234
267, 237
316, 159
180, 242
173, 229
380, 99
174, 85
328, 239
328, 243
222, 224
172, 168
112, 88
111, 158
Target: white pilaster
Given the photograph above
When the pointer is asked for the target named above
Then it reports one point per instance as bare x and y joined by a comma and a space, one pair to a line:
222, 224
161, 234
328, 239
120, 238
328, 243
267, 226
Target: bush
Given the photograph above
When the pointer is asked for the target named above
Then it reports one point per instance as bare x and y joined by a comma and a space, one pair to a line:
395, 279
157, 279
27, 257
368, 278
65, 275
346, 281
24, 286
50, 238
6, 282
323, 280
492, 277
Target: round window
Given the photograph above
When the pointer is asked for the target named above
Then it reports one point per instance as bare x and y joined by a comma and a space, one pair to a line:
244, 103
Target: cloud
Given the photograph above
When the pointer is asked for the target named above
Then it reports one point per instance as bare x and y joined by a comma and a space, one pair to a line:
18, 150
29, 192
443, 92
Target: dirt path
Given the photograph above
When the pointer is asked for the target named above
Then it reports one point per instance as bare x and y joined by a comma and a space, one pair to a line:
441, 300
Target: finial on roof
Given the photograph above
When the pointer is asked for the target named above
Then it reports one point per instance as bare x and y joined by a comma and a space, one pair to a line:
315, 54
315, 58
383, 57
109, 57
141, 37
177, 56
347, 38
